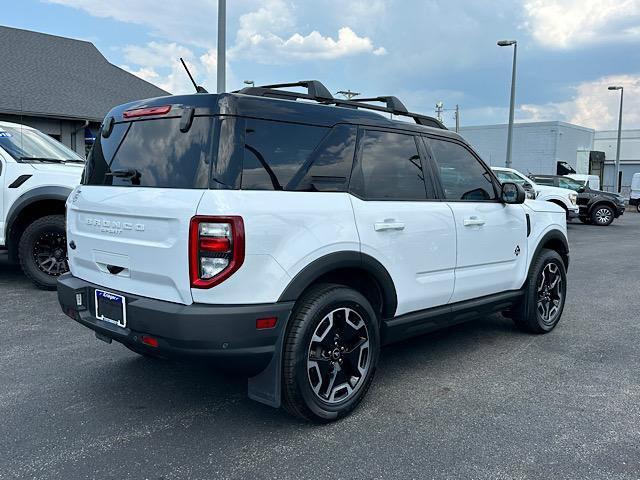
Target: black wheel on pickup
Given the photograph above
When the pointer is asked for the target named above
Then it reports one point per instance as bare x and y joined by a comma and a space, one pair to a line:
545, 293
330, 353
43, 251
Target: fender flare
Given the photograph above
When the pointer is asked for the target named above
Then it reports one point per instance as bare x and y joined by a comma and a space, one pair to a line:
555, 235
51, 192
340, 260
601, 201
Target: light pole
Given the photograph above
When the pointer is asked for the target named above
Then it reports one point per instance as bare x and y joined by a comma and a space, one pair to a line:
616, 182
512, 106
222, 45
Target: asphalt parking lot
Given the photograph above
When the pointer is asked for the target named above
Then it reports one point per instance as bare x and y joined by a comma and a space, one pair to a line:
480, 401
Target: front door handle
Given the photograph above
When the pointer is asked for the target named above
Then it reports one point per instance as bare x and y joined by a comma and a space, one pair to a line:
388, 225
473, 221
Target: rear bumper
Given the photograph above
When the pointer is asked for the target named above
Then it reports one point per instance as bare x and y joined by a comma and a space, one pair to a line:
225, 332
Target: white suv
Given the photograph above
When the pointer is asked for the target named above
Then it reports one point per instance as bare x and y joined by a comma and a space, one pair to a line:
563, 197
37, 173
291, 239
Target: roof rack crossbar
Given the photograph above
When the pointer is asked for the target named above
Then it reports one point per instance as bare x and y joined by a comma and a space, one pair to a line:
393, 103
319, 93
314, 88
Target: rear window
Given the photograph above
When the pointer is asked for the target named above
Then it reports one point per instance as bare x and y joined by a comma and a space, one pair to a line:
153, 153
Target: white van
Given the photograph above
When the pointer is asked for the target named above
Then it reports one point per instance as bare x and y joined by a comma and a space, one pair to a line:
634, 198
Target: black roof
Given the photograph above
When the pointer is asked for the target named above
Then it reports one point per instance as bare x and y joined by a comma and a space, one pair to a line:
269, 108
46, 75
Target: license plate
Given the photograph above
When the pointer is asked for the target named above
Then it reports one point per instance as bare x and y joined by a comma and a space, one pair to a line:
111, 308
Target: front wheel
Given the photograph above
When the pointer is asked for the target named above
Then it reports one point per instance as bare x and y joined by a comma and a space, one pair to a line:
330, 354
544, 297
602, 216
43, 251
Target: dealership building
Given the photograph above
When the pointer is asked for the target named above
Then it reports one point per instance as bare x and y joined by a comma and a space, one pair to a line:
61, 86
538, 147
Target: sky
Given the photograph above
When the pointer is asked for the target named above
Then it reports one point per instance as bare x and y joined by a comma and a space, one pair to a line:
422, 51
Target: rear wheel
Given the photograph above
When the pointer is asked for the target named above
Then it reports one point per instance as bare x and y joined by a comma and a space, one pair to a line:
331, 352
602, 215
638, 207
544, 297
43, 251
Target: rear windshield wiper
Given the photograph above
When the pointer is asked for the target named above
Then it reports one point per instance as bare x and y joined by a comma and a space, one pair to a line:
130, 173
41, 159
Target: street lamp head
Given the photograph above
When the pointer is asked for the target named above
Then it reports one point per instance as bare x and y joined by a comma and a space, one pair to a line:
615, 88
249, 82
506, 43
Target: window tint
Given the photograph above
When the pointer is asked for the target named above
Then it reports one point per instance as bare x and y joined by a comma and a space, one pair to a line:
462, 176
275, 152
329, 168
389, 168
156, 153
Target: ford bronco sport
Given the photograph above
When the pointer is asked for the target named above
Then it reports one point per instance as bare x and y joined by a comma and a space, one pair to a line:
293, 234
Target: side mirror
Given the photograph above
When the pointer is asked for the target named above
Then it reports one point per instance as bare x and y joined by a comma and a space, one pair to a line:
513, 193
582, 189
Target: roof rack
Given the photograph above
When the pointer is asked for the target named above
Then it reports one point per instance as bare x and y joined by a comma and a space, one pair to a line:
316, 91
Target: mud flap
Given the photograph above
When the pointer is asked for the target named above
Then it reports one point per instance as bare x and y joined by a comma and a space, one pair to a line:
266, 386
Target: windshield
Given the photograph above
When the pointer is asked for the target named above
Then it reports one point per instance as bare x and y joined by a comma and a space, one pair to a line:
506, 176
25, 144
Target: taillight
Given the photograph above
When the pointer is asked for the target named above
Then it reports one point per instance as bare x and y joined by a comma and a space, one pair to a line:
216, 249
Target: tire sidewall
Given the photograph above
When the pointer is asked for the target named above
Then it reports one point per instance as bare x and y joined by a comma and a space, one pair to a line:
337, 298
546, 257
52, 223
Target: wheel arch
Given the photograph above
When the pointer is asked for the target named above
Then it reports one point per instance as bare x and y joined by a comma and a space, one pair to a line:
599, 202
353, 269
553, 240
559, 202
31, 205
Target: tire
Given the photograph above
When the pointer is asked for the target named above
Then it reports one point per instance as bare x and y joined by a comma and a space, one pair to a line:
42, 251
602, 215
586, 220
638, 207
313, 361
536, 314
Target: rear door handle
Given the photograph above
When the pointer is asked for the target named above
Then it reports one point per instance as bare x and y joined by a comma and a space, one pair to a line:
388, 225
472, 221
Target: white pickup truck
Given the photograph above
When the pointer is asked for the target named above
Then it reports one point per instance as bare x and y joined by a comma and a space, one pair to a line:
37, 174
567, 199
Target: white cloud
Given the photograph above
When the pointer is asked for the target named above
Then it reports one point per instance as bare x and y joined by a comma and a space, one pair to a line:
159, 64
262, 37
564, 24
593, 105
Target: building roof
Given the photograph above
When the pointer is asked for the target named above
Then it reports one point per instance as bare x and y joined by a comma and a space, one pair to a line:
555, 123
49, 76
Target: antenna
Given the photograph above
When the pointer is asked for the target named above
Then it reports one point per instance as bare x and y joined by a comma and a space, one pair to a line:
198, 88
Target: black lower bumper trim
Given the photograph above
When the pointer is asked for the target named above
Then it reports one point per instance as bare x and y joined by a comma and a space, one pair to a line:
225, 332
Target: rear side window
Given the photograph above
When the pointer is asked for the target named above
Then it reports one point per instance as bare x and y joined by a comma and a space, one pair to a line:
544, 181
276, 152
462, 176
153, 153
389, 168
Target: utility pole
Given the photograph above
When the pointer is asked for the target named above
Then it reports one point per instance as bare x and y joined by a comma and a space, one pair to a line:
222, 45
457, 114
348, 94
616, 182
512, 104
439, 110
